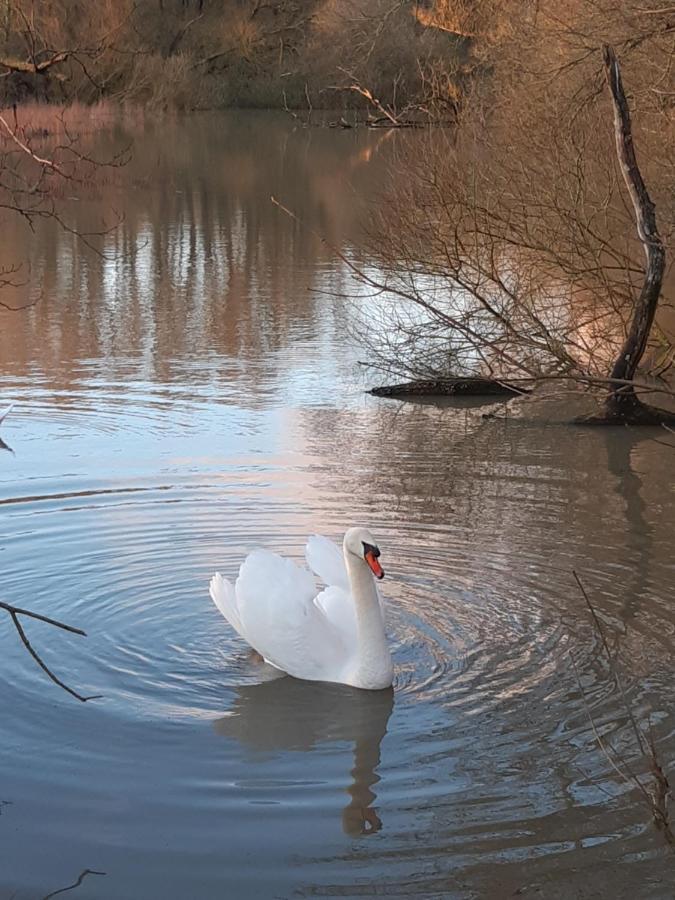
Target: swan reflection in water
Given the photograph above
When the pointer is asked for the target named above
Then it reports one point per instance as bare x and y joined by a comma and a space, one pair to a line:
288, 714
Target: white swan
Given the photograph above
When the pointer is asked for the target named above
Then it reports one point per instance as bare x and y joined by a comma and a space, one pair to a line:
336, 635
4, 415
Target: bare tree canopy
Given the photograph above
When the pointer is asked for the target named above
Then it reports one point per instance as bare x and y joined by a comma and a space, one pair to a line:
525, 247
198, 53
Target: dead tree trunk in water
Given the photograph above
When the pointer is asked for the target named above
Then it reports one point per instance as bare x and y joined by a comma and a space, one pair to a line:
622, 404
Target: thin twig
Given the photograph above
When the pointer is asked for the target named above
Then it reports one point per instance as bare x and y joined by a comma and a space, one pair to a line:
612, 665
41, 160
657, 799
604, 745
76, 884
15, 612
661, 791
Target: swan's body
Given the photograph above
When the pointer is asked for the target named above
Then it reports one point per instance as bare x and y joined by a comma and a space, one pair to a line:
336, 635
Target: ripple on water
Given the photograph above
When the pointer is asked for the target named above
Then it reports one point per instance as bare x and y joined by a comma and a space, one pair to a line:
484, 746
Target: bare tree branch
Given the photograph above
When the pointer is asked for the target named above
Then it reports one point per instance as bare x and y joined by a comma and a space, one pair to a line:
656, 799
30, 66
15, 612
75, 884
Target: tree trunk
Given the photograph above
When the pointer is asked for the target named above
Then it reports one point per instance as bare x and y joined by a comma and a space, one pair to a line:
445, 387
622, 404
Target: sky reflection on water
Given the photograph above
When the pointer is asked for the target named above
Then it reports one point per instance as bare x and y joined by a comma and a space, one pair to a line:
177, 406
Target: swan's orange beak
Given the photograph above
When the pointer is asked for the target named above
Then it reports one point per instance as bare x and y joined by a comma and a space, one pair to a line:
375, 567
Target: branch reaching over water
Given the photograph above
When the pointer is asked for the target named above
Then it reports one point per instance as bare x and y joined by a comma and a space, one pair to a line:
14, 613
658, 793
76, 884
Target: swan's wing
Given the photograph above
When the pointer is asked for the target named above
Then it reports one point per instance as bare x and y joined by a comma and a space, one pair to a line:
275, 600
326, 560
337, 606
4, 415
223, 595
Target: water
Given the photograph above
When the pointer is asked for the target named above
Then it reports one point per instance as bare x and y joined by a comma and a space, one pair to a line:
197, 396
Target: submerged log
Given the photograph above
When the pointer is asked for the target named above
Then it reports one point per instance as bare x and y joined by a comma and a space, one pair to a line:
448, 387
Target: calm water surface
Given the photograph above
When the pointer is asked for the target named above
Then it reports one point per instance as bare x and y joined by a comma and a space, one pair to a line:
194, 395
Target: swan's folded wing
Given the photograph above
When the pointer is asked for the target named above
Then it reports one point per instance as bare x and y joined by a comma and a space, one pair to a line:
222, 594
275, 599
337, 606
325, 559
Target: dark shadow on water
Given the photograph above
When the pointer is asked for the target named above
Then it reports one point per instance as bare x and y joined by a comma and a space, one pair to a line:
4, 446
287, 714
455, 402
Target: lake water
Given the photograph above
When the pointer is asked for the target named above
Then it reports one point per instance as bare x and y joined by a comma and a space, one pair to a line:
195, 394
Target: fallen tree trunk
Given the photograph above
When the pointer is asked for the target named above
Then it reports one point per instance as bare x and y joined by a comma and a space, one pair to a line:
30, 67
447, 387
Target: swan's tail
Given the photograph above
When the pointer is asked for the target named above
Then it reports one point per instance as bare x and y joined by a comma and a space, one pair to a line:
4, 415
223, 595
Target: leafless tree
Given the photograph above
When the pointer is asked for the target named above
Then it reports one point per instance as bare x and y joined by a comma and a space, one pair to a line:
525, 248
40, 151
36, 162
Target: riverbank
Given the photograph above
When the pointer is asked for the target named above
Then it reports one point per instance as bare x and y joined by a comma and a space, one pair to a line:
196, 55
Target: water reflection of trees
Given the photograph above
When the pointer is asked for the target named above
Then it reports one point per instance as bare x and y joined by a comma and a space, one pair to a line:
510, 509
289, 715
539, 500
203, 261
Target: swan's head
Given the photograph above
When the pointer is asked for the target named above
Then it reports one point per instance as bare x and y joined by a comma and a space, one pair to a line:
361, 543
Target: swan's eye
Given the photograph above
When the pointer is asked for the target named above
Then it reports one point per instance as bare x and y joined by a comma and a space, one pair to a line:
370, 548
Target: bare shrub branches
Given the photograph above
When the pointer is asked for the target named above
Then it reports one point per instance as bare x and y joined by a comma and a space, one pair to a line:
405, 53
14, 613
655, 795
36, 46
36, 164
513, 244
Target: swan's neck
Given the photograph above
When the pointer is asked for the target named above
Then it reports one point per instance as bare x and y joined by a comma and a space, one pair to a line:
374, 659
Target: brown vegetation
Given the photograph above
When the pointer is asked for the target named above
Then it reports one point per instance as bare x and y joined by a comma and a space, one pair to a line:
512, 251
510, 246
204, 53
39, 157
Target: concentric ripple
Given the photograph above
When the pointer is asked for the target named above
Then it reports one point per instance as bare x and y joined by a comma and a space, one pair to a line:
197, 398
485, 750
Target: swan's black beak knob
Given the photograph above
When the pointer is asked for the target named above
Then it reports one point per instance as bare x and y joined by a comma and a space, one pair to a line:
371, 555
